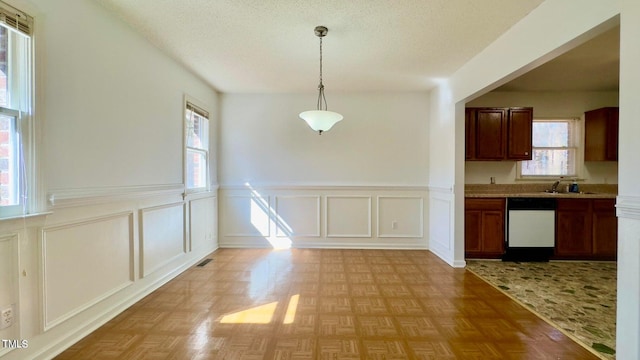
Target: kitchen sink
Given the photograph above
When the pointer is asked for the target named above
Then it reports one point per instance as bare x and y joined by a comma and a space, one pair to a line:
549, 192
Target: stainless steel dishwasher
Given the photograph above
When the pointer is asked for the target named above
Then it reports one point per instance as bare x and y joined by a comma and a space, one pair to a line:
530, 229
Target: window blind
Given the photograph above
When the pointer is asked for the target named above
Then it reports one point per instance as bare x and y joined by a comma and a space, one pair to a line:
197, 110
15, 19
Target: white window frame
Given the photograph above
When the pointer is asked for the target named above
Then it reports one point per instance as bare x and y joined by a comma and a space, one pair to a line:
576, 142
201, 110
21, 107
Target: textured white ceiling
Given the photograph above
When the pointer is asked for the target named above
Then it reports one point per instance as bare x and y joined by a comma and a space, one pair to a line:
269, 45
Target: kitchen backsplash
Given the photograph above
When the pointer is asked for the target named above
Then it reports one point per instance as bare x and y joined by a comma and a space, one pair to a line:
504, 172
537, 187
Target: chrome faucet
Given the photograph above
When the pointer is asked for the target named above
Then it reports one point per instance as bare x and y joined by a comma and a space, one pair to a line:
554, 187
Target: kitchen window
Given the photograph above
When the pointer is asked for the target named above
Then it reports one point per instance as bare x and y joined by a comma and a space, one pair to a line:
555, 149
197, 147
17, 151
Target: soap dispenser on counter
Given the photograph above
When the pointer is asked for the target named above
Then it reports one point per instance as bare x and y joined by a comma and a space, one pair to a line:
574, 187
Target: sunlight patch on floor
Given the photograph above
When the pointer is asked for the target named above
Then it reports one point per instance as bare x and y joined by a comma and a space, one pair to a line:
256, 315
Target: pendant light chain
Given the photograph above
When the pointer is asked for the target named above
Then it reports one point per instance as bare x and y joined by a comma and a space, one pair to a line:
321, 98
321, 61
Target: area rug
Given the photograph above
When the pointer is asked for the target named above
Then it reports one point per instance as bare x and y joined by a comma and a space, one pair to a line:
579, 298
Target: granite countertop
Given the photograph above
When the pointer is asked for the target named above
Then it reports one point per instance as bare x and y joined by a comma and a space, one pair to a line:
588, 191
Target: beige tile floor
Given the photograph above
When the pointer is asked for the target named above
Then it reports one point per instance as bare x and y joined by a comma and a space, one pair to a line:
326, 304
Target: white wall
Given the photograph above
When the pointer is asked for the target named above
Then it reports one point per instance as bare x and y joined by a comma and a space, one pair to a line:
545, 105
442, 187
361, 184
109, 109
105, 87
381, 141
550, 104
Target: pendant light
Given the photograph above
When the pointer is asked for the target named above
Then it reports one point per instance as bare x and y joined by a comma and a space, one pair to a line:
321, 119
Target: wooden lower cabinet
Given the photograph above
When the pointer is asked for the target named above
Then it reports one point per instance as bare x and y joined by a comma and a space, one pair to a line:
573, 228
484, 227
605, 229
586, 229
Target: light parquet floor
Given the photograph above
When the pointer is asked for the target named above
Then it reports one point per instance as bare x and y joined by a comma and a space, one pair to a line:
326, 304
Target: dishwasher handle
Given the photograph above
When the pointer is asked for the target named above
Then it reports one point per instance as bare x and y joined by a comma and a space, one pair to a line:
531, 204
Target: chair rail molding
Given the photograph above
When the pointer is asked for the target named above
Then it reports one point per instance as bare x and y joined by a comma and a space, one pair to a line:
628, 207
293, 187
63, 198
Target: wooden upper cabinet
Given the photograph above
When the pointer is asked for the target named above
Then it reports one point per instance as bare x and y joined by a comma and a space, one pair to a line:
519, 129
601, 134
498, 133
491, 125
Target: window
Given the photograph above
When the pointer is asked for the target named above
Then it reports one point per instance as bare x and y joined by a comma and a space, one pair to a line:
15, 111
197, 147
554, 149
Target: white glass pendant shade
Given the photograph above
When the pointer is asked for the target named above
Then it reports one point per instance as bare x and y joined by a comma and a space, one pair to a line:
320, 120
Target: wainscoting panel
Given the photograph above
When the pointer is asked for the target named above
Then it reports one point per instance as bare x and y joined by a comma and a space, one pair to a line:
297, 215
341, 217
83, 263
203, 224
441, 221
93, 254
247, 215
400, 216
9, 282
161, 236
348, 216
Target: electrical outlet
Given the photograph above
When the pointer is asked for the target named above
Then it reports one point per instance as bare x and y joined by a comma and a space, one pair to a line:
6, 317
394, 225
